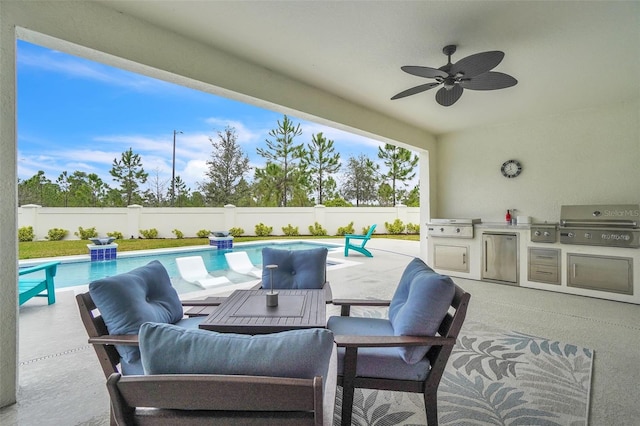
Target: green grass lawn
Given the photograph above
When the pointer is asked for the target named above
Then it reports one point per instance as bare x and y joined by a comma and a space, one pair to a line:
38, 249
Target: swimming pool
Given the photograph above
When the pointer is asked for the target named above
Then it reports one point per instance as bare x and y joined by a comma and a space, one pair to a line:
73, 273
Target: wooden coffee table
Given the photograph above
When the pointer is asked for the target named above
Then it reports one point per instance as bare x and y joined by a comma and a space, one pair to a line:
246, 312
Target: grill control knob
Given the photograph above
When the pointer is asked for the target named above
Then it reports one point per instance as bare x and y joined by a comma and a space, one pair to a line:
458, 230
441, 229
537, 233
571, 235
547, 233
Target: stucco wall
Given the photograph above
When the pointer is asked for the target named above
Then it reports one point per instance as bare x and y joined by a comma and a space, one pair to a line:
8, 219
130, 220
584, 157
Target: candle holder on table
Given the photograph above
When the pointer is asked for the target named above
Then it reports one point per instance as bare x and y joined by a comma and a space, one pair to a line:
272, 297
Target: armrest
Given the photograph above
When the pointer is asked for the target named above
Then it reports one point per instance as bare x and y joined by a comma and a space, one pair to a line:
115, 339
361, 302
346, 304
350, 341
356, 237
30, 269
209, 301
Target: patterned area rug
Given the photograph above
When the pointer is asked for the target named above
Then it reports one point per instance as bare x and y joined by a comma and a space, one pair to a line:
493, 377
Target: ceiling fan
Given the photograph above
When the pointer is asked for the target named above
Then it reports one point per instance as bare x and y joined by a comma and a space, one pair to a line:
473, 72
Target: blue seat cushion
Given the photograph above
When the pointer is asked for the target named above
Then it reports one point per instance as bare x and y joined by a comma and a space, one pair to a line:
127, 300
135, 367
376, 362
297, 269
168, 349
419, 305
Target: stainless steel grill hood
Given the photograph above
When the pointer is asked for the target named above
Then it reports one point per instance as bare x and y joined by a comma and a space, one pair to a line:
611, 225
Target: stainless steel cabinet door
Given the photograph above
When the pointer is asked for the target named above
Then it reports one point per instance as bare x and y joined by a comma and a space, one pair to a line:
614, 274
452, 258
500, 257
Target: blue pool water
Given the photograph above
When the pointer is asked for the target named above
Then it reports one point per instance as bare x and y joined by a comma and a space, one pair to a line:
82, 272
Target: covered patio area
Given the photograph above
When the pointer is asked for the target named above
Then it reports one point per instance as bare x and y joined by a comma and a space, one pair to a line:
61, 382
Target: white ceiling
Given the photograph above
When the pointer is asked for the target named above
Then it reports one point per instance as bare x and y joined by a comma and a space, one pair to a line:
566, 55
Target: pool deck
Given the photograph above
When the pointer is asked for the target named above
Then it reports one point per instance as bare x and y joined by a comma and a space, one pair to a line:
61, 382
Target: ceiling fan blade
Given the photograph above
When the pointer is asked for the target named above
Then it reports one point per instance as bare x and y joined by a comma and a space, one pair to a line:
449, 97
427, 72
489, 81
477, 64
415, 90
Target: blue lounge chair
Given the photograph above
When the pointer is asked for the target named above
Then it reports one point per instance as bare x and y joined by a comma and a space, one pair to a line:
358, 247
34, 286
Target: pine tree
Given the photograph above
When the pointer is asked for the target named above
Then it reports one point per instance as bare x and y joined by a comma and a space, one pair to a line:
400, 166
128, 172
360, 180
320, 161
97, 188
64, 184
226, 170
282, 152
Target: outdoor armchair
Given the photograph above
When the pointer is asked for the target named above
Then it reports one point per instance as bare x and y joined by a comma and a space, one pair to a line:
115, 307
363, 239
202, 377
37, 281
407, 352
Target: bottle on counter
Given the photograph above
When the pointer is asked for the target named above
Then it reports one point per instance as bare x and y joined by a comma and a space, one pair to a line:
508, 217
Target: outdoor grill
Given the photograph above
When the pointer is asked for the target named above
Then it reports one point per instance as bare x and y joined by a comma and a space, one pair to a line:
614, 225
451, 228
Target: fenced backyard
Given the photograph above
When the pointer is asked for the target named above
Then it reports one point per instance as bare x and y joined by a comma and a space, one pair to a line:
130, 221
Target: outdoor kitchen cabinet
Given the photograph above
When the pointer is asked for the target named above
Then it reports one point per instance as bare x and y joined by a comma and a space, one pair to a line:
603, 273
451, 257
544, 265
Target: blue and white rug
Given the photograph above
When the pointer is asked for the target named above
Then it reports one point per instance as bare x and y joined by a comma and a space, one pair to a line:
493, 377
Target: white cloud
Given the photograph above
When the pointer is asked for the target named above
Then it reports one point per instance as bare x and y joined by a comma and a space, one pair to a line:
88, 70
245, 134
340, 137
193, 173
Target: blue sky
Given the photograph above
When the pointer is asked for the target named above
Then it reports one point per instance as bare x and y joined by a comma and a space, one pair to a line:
76, 114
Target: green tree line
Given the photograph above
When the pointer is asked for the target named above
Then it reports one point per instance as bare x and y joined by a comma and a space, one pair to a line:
295, 174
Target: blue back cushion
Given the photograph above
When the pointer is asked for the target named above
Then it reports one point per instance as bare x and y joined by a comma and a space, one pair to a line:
168, 349
419, 305
127, 300
296, 268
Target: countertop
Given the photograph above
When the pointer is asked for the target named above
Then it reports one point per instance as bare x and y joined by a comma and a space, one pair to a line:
503, 225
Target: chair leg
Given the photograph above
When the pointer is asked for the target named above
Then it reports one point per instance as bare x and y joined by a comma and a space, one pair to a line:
431, 407
51, 292
112, 418
348, 378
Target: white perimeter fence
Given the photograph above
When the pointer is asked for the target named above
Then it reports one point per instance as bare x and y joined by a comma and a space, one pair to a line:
189, 220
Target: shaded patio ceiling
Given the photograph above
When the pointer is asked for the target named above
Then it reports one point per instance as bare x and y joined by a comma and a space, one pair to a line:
566, 56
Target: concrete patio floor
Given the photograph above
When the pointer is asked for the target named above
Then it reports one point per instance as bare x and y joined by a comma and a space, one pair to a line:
61, 382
